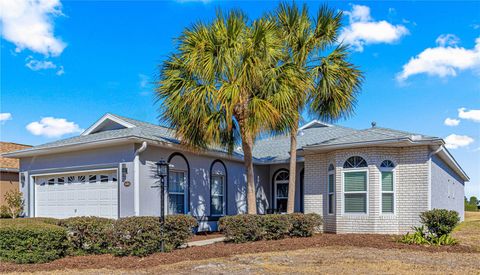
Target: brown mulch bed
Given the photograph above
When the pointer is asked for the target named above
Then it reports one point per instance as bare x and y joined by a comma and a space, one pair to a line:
205, 236
228, 249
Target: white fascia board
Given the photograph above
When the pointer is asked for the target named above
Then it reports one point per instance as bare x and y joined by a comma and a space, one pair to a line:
103, 119
312, 123
69, 148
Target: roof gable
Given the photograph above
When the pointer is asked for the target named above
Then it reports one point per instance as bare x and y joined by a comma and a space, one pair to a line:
106, 123
314, 124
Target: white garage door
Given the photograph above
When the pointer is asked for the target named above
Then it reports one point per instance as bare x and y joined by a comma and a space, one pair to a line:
80, 194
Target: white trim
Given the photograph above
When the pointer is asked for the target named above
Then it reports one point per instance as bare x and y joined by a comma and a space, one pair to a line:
222, 176
348, 170
275, 182
185, 191
394, 192
136, 178
313, 122
103, 119
74, 172
331, 192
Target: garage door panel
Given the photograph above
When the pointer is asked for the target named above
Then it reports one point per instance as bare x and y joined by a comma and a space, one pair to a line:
81, 194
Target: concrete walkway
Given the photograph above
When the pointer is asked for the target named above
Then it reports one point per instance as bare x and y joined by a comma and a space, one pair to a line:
206, 242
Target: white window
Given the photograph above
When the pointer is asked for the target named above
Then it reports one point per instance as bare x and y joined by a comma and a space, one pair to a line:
218, 195
355, 182
388, 187
177, 192
281, 191
331, 189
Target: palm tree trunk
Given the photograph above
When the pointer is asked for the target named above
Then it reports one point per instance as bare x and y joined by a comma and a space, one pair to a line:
293, 169
247, 145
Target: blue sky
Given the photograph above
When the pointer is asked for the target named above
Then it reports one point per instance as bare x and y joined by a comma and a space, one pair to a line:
65, 64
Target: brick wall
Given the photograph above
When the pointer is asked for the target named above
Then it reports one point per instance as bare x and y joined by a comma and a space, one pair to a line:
411, 189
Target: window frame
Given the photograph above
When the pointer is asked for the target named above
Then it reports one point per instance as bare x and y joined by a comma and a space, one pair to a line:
185, 194
275, 182
394, 182
224, 210
366, 192
331, 172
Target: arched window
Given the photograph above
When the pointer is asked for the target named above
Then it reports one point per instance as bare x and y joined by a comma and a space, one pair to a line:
281, 190
331, 167
178, 184
388, 186
218, 188
387, 164
355, 162
355, 185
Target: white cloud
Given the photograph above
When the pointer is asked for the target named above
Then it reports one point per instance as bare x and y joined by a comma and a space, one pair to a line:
60, 71
36, 65
444, 60
474, 115
143, 80
53, 127
451, 121
363, 30
29, 25
5, 116
454, 141
447, 40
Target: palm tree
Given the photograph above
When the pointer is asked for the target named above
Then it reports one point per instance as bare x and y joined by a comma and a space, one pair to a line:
225, 85
334, 82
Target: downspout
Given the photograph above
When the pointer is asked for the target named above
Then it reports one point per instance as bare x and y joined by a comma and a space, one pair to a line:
430, 175
136, 178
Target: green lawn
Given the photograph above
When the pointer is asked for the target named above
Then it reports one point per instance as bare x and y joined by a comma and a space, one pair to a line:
468, 232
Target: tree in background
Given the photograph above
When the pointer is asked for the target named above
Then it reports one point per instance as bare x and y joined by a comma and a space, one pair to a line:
333, 82
471, 205
226, 84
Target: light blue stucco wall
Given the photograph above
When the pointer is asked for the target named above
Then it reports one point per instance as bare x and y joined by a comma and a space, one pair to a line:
199, 170
448, 189
84, 160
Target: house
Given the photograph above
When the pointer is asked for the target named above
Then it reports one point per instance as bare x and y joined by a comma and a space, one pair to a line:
375, 180
9, 169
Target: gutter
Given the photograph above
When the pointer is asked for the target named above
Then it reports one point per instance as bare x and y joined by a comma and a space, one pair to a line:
11, 170
136, 178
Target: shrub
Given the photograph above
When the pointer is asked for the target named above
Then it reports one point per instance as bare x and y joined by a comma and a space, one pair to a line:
440, 221
141, 236
304, 225
245, 228
275, 226
241, 228
14, 203
4, 213
31, 241
179, 229
88, 235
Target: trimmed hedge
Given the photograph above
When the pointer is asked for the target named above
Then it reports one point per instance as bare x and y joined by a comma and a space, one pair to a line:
241, 228
38, 240
88, 235
141, 236
246, 228
31, 241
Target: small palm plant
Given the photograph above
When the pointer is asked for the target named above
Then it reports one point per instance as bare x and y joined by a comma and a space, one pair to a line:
228, 82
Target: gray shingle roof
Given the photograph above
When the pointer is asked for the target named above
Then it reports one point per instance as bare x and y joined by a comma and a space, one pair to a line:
271, 149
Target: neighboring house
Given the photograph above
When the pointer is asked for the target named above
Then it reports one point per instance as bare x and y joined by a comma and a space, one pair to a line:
9, 169
375, 180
